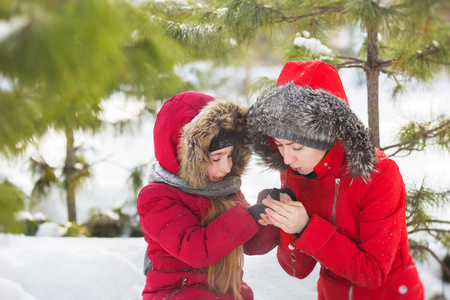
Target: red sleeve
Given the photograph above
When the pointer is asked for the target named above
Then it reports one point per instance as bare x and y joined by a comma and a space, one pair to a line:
165, 219
381, 223
293, 261
264, 240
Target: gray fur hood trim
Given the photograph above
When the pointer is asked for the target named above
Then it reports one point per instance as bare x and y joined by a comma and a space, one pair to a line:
312, 118
197, 135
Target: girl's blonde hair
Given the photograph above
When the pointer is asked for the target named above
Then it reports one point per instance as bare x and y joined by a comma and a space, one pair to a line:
225, 275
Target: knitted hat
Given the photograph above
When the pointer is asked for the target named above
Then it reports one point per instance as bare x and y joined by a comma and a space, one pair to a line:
225, 138
311, 109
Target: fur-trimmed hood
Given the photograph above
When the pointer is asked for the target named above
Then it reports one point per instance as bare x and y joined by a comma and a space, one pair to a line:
184, 128
312, 117
198, 134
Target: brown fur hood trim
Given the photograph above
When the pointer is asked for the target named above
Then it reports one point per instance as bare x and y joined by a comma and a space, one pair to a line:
198, 134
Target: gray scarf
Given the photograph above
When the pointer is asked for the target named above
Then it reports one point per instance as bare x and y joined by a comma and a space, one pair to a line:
229, 185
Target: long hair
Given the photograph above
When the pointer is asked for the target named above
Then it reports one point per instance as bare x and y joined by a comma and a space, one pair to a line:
225, 275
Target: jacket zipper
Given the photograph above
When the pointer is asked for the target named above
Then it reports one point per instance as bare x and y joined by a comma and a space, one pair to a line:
337, 183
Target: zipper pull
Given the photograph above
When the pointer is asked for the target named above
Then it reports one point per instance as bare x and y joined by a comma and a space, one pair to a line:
336, 186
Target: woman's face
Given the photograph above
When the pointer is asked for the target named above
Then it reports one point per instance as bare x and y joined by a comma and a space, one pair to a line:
220, 164
300, 158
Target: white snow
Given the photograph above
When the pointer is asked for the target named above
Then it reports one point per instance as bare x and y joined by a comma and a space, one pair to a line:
313, 45
54, 268
13, 25
49, 268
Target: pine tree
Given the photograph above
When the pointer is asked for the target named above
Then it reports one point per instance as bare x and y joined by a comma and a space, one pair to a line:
405, 39
60, 59
12, 201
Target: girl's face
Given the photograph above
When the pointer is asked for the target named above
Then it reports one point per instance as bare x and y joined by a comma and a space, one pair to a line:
300, 158
220, 164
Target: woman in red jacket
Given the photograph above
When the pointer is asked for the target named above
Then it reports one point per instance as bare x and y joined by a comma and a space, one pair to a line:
192, 212
350, 213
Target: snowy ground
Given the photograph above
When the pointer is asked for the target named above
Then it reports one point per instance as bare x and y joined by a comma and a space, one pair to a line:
47, 268
86, 268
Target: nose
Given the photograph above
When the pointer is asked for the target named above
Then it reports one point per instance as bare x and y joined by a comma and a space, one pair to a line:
225, 166
288, 158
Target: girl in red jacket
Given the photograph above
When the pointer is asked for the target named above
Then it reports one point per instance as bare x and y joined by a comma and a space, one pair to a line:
350, 213
192, 212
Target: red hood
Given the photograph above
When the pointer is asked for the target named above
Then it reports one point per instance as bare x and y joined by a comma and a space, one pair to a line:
313, 74
174, 114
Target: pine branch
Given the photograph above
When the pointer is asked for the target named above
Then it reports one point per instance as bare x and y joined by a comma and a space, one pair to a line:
425, 135
425, 248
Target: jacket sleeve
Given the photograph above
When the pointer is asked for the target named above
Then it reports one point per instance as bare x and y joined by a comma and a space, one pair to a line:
381, 226
165, 219
294, 262
264, 241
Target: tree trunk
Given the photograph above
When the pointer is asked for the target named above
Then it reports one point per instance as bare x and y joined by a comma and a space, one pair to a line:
69, 172
372, 73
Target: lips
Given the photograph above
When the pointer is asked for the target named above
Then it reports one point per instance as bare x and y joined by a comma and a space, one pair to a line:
216, 179
297, 169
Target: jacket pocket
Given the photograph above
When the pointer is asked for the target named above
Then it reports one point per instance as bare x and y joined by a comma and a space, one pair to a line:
160, 280
407, 285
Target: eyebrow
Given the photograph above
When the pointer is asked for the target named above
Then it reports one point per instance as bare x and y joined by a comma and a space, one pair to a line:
277, 142
220, 153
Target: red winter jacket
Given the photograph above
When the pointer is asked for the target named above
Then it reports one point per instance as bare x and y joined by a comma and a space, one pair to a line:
357, 232
179, 248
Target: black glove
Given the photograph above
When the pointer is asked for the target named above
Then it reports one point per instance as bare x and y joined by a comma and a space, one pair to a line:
256, 210
275, 193
259, 208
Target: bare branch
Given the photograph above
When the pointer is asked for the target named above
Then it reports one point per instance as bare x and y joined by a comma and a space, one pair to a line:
387, 63
425, 248
352, 59
320, 11
437, 221
429, 221
429, 230
348, 66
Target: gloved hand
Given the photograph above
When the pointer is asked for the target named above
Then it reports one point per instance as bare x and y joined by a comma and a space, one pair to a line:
256, 209
259, 208
275, 193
